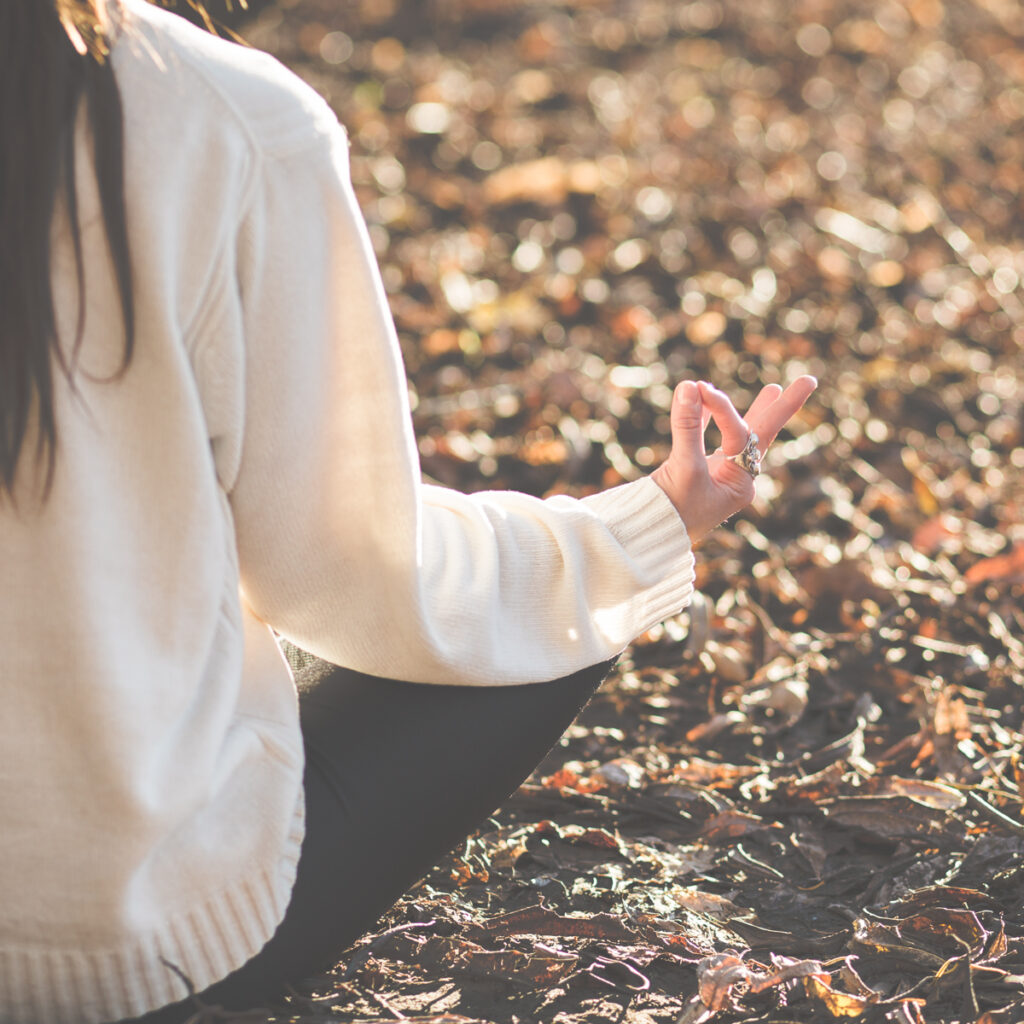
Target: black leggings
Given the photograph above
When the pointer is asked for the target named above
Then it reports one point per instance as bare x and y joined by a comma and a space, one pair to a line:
396, 775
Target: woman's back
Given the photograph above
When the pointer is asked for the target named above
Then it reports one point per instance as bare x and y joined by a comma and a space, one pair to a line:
135, 776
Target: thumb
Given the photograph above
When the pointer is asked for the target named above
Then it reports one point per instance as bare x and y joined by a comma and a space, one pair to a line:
687, 418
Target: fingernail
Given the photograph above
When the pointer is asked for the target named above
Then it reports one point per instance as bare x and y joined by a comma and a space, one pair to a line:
688, 392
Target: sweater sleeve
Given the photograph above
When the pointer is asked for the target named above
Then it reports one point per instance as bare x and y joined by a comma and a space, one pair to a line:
342, 548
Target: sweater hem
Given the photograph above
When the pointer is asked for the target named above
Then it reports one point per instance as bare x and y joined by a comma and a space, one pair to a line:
196, 948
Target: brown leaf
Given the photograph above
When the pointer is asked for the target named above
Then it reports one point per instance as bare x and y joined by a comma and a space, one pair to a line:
711, 774
706, 903
1008, 567
731, 824
722, 976
718, 976
786, 969
944, 896
839, 1004
465, 872
566, 778
883, 938
816, 787
949, 931
599, 838
998, 945
893, 816
928, 794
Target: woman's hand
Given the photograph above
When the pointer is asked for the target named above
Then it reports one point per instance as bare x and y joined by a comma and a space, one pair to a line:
708, 489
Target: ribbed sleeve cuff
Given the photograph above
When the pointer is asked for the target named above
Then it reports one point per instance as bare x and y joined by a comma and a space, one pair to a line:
645, 522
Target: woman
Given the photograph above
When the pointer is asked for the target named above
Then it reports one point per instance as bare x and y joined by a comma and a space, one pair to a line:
205, 438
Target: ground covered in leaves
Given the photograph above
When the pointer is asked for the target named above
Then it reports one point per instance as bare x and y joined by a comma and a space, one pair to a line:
802, 799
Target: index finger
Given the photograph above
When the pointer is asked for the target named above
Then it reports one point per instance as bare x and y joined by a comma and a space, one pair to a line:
735, 430
771, 420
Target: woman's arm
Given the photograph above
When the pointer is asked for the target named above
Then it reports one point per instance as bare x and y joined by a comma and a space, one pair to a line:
342, 548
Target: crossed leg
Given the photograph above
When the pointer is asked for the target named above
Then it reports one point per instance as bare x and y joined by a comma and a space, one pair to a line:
396, 775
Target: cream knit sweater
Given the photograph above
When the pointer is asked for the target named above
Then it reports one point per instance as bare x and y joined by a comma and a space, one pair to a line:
255, 467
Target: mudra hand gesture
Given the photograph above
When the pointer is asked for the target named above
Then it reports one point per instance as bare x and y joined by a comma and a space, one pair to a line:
708, 489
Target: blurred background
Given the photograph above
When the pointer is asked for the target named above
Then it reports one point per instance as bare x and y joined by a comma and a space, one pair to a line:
575, 205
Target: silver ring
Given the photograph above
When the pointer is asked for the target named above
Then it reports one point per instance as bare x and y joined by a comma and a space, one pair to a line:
750, 458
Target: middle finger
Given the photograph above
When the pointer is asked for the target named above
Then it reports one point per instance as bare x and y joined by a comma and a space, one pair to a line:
771, 420
766, 397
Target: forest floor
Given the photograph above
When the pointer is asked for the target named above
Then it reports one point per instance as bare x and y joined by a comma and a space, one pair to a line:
802, 799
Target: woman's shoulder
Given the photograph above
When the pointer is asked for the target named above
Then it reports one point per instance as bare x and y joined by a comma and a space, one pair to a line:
171, 66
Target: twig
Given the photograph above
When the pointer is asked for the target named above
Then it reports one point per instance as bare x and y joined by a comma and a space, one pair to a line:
384, 1004
986, 808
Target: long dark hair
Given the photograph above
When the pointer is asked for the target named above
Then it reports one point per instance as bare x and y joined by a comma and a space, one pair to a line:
52, 59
